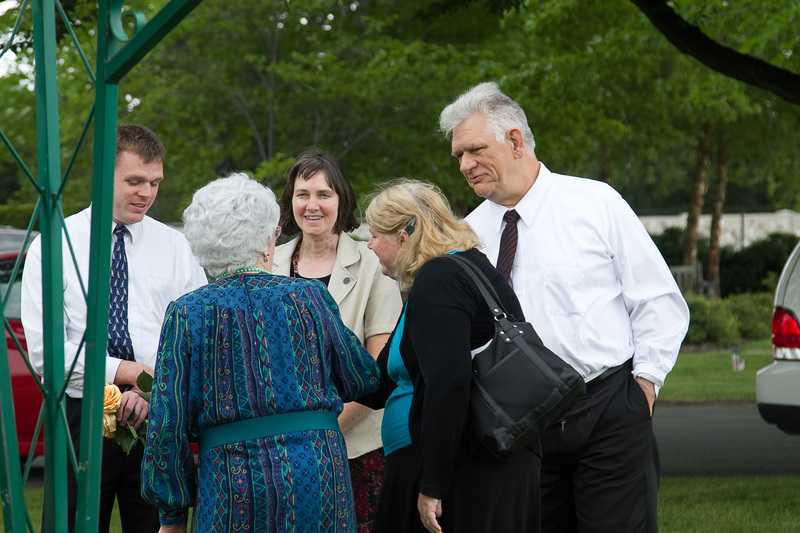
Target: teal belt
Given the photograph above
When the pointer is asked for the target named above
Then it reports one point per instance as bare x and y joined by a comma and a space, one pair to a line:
267, 426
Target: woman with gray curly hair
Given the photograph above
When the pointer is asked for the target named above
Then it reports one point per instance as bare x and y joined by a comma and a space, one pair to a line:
254, 367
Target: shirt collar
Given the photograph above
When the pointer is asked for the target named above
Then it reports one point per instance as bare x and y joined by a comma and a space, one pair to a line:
529, 205
347, 252
134, 230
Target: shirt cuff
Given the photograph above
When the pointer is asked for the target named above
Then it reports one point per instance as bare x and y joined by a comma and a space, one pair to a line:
172, 518
652, 379
112, 365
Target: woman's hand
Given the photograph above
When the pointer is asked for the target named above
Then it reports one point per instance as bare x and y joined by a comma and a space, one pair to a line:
429, 510
176, 528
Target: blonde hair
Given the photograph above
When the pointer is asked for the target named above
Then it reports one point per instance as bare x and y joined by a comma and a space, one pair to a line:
421, 210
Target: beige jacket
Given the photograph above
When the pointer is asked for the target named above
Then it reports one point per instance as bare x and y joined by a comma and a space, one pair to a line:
369, 304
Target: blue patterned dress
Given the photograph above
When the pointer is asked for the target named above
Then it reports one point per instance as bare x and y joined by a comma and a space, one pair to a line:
245, 347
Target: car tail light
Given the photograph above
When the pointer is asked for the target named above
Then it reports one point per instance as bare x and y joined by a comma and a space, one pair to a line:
785, 329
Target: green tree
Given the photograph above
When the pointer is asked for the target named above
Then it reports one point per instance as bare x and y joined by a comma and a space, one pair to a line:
364, 81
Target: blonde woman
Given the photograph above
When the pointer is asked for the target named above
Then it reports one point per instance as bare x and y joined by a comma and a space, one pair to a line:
438, 476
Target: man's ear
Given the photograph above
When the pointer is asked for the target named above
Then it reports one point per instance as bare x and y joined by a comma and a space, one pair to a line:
514, 136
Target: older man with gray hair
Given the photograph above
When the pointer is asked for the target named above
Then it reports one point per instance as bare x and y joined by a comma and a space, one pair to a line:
598, 292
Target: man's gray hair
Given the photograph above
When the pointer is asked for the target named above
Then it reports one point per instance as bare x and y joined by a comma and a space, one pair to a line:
501, 112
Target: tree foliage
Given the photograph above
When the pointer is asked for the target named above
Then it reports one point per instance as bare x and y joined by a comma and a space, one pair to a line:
247, 85
690, 39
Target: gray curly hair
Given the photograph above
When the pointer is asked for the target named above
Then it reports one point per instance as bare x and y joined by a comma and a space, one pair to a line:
231, 222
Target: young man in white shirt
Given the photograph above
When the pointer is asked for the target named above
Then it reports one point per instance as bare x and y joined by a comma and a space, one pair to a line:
160, 268
598, 292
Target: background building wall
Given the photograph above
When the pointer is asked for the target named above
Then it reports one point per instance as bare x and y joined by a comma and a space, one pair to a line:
738, 229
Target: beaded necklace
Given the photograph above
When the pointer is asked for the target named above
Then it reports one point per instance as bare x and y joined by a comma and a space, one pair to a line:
255, 270
295, 258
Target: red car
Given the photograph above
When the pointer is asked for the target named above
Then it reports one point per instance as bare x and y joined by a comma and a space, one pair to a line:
27, 396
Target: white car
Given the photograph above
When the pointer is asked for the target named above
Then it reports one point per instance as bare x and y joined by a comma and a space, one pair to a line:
778, 385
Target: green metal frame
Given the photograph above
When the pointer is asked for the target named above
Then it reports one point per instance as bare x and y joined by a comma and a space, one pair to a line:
114, 61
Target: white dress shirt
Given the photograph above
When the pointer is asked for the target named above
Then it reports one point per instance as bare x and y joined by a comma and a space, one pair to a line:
589, 277
161, 267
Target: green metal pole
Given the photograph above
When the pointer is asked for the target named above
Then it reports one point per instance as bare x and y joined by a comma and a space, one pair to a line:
146, 38
112, 64
91, 448
47, 127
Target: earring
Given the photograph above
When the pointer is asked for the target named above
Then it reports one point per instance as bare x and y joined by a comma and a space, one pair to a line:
266, 257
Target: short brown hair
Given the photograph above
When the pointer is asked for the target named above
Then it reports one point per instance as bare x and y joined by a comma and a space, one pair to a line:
141, 141
309, 162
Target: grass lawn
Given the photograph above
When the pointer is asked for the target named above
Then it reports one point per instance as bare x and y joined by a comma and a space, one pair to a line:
730, 505
700, 377
34, 500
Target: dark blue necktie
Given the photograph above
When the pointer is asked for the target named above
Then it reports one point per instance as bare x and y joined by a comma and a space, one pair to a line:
508, 244
119, 339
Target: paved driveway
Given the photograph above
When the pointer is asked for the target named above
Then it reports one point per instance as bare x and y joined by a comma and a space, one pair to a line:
728, 440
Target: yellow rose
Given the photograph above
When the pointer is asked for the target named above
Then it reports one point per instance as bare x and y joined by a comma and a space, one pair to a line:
109, 425
112, 397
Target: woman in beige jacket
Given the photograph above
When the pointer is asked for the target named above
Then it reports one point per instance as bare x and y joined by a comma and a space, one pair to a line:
319, 205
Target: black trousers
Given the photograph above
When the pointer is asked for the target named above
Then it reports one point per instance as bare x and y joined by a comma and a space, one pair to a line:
120, 479
600, 470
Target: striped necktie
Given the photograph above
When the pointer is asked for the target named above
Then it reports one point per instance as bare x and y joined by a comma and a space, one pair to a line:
119, 338
508, 244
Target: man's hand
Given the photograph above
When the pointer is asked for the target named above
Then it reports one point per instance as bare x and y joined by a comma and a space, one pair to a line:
132, 405
649, 391
128, 372
429, 510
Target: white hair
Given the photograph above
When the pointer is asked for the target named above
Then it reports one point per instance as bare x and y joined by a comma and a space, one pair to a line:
501, 113
230, 223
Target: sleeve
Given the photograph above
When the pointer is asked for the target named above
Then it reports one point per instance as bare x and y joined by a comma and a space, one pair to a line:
438, 322
169, 474
377, 399
383, 306
353, 369
658, 313
32, 315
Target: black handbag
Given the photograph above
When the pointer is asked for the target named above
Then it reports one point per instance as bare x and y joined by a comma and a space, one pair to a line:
518, 385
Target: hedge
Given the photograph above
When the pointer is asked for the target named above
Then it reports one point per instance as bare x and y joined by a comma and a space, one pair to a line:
727, 321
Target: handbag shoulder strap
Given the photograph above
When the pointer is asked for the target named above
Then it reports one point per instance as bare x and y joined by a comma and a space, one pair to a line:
483, 284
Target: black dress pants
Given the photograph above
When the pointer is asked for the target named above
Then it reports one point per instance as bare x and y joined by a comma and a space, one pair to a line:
600, 470
120, 479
